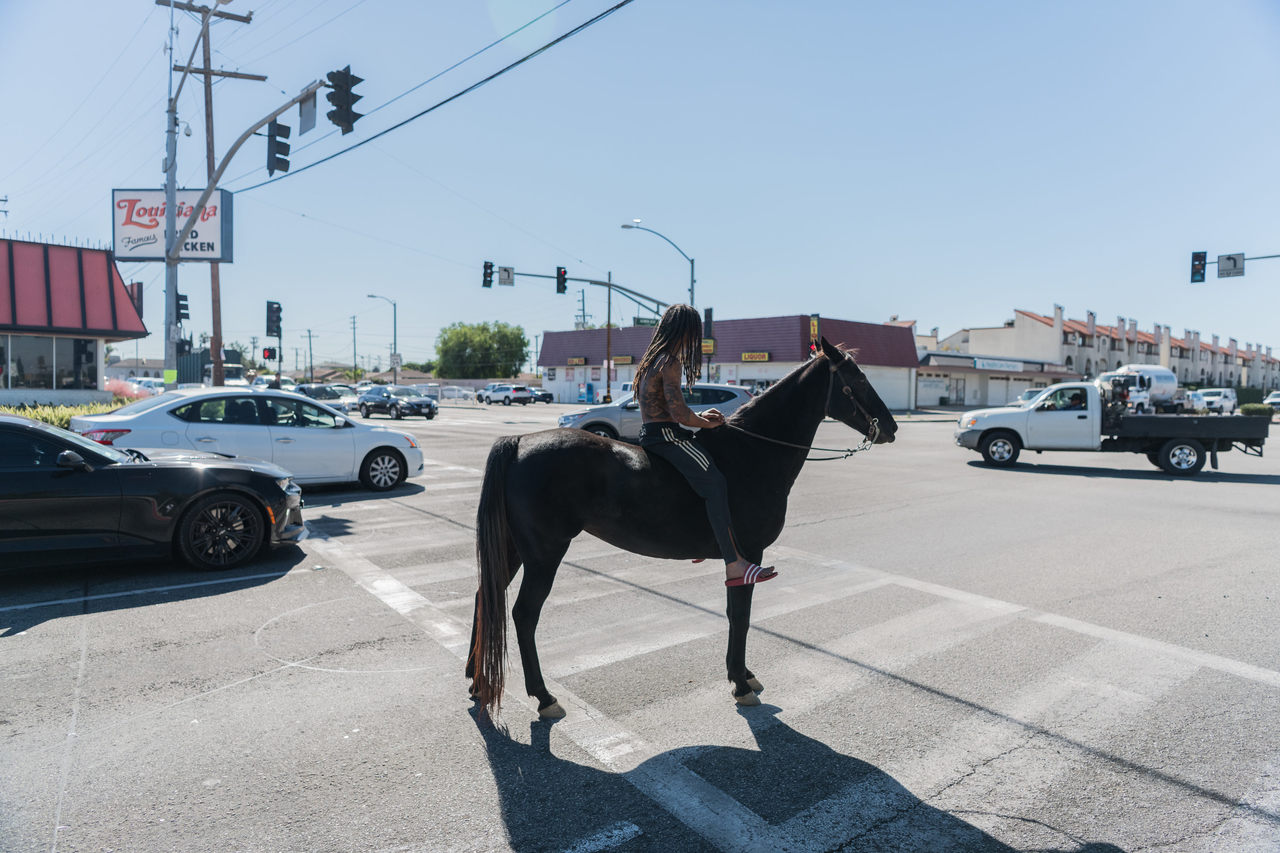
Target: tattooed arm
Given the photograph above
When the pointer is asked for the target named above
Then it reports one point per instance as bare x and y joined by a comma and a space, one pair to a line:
662, 399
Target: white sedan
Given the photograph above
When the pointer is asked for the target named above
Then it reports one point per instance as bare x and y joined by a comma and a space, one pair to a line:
312, 441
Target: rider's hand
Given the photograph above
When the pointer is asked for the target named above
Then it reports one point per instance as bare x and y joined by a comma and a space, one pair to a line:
714, 417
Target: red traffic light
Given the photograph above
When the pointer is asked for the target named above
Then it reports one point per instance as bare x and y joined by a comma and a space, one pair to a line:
562, 276
268, 353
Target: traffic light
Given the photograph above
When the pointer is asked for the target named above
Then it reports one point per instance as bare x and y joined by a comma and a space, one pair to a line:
277, 149
183, 313
268, 353
488, 274
562, 276
1197, 266
273, 319
343, 99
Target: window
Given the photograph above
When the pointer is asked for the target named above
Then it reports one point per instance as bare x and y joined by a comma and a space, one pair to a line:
551, 374
220, 410
278, 411
19, 452
707, 396
31, 361
1066, 399
77, 362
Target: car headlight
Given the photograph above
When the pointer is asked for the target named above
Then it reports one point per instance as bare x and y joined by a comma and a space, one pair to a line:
289, 487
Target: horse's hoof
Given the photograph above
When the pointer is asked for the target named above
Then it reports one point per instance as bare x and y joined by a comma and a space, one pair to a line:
754, 684
749, 699
551, 712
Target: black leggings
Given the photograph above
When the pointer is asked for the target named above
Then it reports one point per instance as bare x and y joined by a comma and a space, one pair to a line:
674, 443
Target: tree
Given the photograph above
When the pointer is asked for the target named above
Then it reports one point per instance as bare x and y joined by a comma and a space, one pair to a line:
481, 350
420, 366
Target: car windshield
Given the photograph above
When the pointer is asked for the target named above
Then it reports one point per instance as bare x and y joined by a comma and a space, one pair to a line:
1211, 393
402, 391
83, 443
148, 403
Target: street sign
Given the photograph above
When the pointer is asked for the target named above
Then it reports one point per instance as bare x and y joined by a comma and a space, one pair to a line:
644, 321
507, 275
395, 360
1230, 265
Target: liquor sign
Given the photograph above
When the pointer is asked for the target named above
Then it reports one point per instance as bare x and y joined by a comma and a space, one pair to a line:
621, 359
577, 359
813, 327
137, 226
755, 356
708, 346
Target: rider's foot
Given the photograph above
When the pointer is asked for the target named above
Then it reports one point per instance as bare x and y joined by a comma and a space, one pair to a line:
743, 572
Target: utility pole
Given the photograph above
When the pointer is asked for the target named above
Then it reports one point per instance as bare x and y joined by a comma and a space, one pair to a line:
297, 358
608, 339
355, 359
209, 73
311, 361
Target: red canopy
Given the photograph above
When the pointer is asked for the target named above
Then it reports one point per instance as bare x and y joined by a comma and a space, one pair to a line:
65, 290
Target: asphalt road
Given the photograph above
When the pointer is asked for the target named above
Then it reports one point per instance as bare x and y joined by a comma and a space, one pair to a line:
1078, 654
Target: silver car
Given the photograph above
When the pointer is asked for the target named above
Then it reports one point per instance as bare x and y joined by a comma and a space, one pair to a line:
621, 418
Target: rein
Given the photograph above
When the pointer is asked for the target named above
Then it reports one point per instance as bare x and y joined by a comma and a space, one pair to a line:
868, 440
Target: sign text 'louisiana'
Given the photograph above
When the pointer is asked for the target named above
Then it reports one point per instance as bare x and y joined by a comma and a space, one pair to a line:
137, 225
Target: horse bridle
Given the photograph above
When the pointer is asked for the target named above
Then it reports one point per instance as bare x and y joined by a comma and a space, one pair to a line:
873, 431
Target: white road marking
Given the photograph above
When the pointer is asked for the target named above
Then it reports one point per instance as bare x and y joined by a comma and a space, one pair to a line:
612, 836
64, 774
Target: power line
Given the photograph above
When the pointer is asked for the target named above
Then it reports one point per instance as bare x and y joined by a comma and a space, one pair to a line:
474, 86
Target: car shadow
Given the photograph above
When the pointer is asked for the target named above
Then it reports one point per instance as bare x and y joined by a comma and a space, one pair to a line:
551, 803
1205, 476
337, 494
33, 596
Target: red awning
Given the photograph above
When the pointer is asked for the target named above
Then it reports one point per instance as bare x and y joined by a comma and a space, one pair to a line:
64, 290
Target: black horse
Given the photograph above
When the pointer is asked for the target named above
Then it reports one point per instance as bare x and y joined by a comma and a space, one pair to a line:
542, 489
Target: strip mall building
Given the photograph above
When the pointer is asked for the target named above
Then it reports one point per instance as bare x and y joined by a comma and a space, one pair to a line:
59, 308
754, 352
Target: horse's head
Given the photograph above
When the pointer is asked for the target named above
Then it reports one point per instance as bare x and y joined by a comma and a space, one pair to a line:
852, 399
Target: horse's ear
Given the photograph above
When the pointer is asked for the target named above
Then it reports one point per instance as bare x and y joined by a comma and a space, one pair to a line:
832, 353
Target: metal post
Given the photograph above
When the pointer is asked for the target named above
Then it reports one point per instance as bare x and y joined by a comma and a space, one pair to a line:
395, 345
608, 338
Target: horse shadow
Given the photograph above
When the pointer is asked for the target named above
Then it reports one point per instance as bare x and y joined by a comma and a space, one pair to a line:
550, 803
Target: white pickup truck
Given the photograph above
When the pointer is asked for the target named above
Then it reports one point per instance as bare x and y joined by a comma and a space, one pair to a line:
1083, 416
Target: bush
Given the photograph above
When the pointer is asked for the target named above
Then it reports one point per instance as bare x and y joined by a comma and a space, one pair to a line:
1258, 410
60, 416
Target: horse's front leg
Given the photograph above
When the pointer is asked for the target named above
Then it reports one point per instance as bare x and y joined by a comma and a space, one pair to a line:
745, 684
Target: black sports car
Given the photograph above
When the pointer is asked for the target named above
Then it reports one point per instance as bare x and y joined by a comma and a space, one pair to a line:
399, 401
542, 395
66, 499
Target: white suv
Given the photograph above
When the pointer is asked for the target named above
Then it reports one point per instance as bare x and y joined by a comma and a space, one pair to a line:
1220, 400
621, 418
507, 394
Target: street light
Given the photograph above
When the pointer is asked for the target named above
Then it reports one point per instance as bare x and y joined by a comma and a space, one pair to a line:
635, 223
395, 347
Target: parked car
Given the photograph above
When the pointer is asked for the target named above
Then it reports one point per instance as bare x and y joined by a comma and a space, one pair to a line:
339, 397
508, 394
542, 395
287, 383
398, 401
1220, 400
1273, 400
313, 442
1025, 397
66, 499
621, 418
482, 395
428, 389
457, 392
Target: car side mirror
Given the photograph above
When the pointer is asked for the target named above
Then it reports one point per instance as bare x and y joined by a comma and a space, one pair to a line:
72, 460
339, 423
631, 405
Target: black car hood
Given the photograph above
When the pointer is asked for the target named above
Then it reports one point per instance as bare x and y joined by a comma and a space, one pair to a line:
179, 457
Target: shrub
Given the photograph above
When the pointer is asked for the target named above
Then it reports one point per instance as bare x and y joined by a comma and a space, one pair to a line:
1261, 410
60, 416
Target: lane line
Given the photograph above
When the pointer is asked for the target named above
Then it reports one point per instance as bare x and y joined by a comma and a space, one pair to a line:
611, 836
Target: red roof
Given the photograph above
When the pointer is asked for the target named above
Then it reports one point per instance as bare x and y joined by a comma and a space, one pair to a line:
64, 290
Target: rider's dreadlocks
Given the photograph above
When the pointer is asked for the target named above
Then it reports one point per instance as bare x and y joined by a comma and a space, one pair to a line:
679, 335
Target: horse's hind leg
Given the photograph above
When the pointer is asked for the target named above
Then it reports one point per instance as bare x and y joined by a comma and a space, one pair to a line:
745, 684
534, 589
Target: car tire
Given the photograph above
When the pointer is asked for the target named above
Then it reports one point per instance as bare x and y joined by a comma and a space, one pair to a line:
506, 401
364, 411
221, 531
430, 413
382, 469
1000, 448
1182, 457
397, 413
1139, 409
1153, 456
602, 430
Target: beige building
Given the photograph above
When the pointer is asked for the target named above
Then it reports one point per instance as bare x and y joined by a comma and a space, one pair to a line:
1090, 348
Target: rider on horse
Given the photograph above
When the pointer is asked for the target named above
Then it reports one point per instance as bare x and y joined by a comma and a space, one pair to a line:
673, 354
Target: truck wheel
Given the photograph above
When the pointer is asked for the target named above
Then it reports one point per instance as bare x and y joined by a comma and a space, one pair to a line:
1000, 448
1182, 456
1139, 409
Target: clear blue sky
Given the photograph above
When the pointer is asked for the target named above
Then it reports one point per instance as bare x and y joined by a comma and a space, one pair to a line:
944, 162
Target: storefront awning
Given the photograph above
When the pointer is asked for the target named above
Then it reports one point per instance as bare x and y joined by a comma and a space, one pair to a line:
47, 289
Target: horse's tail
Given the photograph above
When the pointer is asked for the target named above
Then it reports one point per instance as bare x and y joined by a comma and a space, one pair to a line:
495, 553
